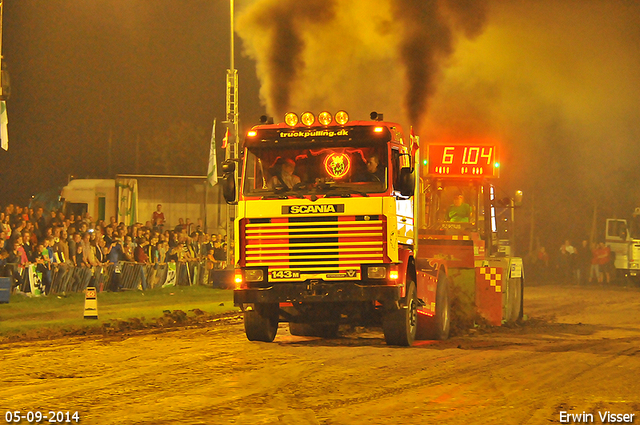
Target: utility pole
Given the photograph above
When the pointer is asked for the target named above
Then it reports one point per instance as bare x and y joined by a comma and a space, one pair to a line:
533, 221
2, 93
231, 152
5, 91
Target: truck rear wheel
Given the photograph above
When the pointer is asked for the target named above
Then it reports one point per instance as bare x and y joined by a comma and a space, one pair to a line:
400, 325
437, 327
261, 323
322, 330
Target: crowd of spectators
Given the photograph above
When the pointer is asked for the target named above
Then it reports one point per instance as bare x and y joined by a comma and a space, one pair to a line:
29, 236
587, 263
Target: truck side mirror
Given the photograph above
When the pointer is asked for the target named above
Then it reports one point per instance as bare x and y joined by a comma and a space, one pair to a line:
228, 167
406, 181
229, 181
229, 188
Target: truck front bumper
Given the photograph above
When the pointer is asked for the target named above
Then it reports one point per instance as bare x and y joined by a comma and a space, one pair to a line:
317, 292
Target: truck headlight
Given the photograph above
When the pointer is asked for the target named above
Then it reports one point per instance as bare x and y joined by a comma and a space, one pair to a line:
254, 275
377, 272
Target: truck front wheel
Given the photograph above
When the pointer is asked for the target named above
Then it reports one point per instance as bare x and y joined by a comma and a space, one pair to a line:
400, 325
261, 322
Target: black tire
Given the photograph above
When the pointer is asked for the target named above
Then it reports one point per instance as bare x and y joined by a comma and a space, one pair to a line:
322, 330
400, 325
261, 323
515, 301
521, 313
438, 326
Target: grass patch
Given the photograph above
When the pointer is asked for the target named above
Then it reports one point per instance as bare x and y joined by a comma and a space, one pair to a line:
58, 311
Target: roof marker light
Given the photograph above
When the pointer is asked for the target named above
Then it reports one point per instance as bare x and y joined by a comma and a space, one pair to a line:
377, 130
325, 118
291, 119
342, 117
252, 133
307, 119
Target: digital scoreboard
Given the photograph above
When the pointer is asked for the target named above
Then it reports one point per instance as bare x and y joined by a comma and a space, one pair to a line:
462, 160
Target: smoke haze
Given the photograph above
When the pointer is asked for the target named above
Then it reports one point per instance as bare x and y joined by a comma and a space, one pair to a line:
557, 84
347, 53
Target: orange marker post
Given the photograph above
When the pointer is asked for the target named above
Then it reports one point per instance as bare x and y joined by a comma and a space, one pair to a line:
91, 303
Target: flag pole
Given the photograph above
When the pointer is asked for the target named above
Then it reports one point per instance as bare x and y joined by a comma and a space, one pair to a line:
212, 172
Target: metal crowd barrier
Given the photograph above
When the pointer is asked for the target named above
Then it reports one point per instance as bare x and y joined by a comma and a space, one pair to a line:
126, 275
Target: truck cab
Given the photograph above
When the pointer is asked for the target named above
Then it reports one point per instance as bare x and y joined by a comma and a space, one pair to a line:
324, 228
623, 237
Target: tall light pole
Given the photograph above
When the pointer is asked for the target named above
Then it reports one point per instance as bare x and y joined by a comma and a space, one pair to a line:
232, 144
4, 92
1, 13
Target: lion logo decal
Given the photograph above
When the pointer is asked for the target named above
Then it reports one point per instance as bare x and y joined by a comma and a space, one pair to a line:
337, 165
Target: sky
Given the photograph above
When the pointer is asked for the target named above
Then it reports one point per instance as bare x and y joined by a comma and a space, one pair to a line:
556, 83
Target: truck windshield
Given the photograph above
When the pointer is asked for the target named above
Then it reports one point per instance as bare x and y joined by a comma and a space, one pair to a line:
452, 203
323, 169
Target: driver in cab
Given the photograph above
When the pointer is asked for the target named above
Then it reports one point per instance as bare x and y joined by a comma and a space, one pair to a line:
459, 211
285, 178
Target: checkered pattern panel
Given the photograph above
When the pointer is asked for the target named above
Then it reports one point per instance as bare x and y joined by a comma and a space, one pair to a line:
492, 275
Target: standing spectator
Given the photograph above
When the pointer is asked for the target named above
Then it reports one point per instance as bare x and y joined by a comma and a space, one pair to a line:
43, 264
28, 246
161, 249
570, 266
6, 227
542, 263
71, 241
59, 250
39, 223
64, 247
220, 255
114, 251
140, 253
583, 257
78, 259
4, 256
180, 226
108, 237
211, 261
19, 251
88, 252
157, 219
595, 265
564, 263
176, 253
49, 241
100, 254
127, 249
604, 257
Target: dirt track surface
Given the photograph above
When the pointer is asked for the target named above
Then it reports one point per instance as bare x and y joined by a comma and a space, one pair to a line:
579, 352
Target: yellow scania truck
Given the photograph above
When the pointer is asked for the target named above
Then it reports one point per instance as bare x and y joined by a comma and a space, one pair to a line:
342, 221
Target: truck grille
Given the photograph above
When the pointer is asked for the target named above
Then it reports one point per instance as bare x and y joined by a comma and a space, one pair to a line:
314, 244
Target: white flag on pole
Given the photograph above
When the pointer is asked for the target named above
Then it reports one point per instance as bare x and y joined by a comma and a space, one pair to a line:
212, 171
4, 134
